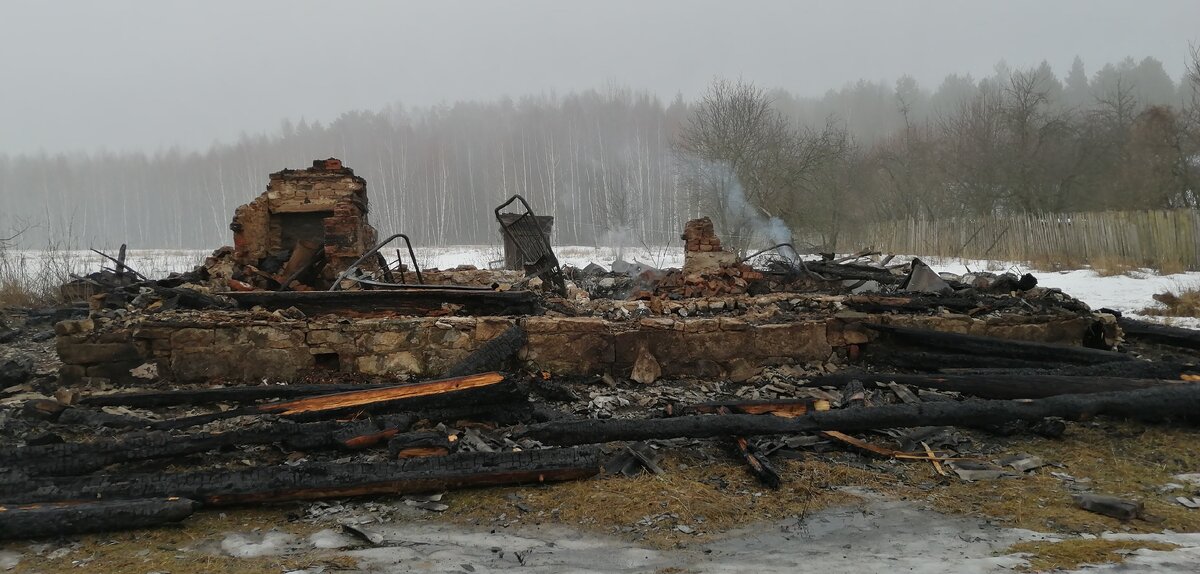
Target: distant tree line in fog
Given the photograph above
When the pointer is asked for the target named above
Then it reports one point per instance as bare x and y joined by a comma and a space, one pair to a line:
617, 165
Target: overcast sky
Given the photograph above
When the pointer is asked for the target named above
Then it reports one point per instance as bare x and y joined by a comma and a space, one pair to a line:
141, 75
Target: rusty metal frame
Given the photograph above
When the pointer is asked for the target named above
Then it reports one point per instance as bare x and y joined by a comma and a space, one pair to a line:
537, 256
371, 252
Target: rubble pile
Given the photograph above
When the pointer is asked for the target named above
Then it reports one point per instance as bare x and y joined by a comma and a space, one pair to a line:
300, 364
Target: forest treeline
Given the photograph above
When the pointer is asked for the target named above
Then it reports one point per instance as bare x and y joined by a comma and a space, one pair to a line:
619, 165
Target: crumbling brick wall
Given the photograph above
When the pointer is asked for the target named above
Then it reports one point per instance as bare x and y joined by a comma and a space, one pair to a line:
702, 251
324, 206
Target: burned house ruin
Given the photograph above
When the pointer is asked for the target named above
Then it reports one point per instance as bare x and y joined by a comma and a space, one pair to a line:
715, 317
429, 379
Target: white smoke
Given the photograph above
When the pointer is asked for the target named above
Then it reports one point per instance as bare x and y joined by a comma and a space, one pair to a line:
756, 228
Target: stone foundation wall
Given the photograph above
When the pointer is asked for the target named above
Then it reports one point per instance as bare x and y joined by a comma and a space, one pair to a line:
240, 347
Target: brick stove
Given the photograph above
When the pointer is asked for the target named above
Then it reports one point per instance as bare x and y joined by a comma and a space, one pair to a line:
319, 212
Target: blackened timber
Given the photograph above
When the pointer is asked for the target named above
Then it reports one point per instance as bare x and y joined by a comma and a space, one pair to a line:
993, 346
1161, 334
1167, 370
72, 458
420, 443
64, 518
918, 303
778, 407
209, 395
759, 466
473, 389
387, 302
846, 271
937, 362
1158, 403
320, 480
493, 354
999, 386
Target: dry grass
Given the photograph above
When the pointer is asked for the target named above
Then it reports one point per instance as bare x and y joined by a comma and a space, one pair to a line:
1125, 459
1109, 266
1071, 554
163, 549
709, 497
1183, 301
706, 497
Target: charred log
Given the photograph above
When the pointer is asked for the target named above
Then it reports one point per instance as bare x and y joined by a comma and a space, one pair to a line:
939, 362
995, 347
778, 407
420, 443
492, 355
64, 459
64, 518
1160, 334
475, 389
1157, 403
999, 386
321, 480
202, 396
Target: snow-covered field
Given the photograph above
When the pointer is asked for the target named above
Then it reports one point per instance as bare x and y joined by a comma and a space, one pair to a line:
1128, 293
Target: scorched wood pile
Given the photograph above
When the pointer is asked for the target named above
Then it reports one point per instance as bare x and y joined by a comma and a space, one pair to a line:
97, 462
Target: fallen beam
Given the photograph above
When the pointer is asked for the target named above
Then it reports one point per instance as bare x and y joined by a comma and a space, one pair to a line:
778, 407
938, 362
319, 480
454, 391
68, 459
61, 519
995, 347
1161, 334
759, 465
1156, 403
493, 354
209, 395
1002, 386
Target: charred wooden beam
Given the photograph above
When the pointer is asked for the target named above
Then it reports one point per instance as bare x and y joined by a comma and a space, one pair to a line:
759, 466
938, 362
1165, 370
388, 302
1161, 334
778, 407
72, 458
426, 394
64, 518
1156, 403
90, 417
319, 480
917, 303
996, 347
844, 271
492, 355
999, 386
420, 443
209, 395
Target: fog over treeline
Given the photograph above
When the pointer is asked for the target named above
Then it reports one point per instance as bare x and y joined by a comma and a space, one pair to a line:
616, 162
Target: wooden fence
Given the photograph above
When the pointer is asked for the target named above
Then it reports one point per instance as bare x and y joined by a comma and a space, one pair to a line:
1163, 239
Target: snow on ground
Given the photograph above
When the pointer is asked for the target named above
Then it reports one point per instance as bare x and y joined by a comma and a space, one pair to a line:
56, 266
1129, 293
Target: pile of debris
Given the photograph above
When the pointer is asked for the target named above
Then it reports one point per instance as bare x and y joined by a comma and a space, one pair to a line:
533, 374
